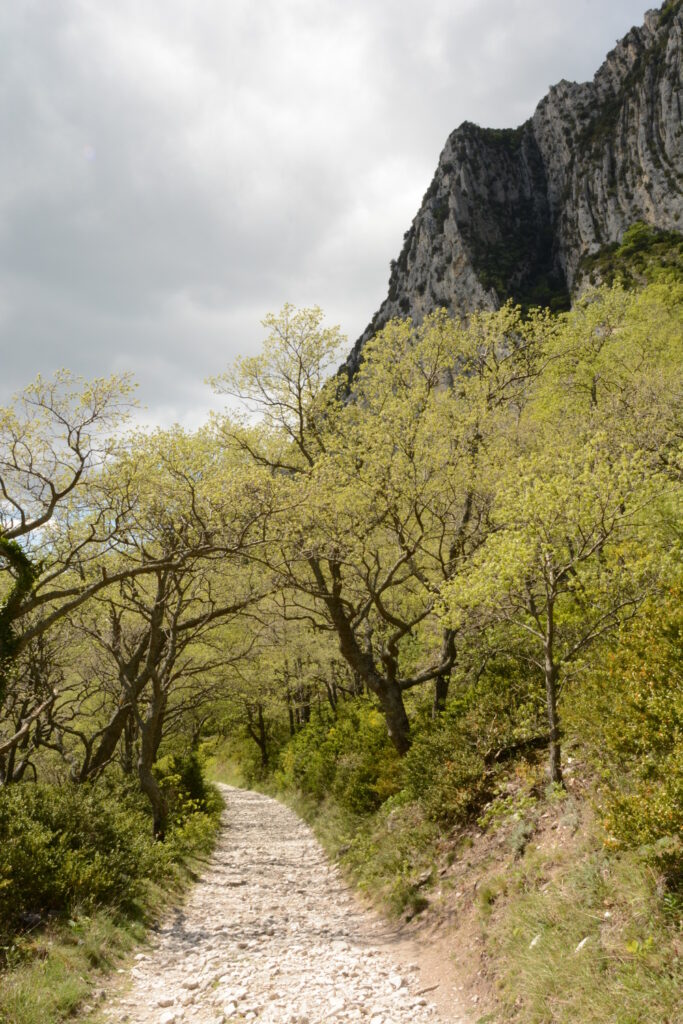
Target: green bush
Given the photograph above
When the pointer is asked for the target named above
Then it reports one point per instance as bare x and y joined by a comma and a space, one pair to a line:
349, 756
182, 780
448, 769
444, 772
191, 778
629, 711
194, 836
66, 846
451, 766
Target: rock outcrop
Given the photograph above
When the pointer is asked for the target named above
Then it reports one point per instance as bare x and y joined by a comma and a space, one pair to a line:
511, 213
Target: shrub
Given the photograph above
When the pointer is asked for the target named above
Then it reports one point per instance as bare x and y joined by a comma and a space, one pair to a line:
450, 769
307, 763
630, 710
645, 254
67, 846
349, 755
182, 780
194, 837
444, 771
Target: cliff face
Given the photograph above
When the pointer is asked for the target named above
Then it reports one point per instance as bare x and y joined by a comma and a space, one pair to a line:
511, 213
613, 148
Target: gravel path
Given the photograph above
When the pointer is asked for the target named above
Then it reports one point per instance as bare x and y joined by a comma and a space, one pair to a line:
271, 934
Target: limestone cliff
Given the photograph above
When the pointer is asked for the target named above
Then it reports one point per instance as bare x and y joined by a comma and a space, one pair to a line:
512, 212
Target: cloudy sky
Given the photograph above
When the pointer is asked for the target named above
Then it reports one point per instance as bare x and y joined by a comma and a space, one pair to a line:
172, 170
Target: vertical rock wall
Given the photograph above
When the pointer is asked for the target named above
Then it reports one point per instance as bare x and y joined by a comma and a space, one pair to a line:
510, 213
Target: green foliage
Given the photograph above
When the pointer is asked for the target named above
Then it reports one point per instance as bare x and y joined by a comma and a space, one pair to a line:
72, 848
447, 774
192, 781
514, 806
452, 765
308, 762
645, 254
445, 771
450, 769
247, 757
182, 779
348, 756
194, 836
630, 711
62, 846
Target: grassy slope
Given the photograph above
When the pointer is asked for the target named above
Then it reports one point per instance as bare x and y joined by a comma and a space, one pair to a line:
512, 902
559, 930
61, 970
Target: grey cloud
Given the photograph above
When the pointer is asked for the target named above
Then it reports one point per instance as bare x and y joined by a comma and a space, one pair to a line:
172, 171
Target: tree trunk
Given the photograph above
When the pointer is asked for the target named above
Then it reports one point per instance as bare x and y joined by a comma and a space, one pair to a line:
361, 660
197, 729
441, 684
152, 790
555, 763
258, 733
303, 698
127, 754
263, 740
331, 694
443, 680
151, 729
398, 726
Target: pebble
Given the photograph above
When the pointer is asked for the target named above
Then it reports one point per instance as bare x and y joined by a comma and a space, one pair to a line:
270, 934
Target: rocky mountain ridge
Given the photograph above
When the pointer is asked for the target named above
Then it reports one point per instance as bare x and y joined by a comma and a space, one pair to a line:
511, 213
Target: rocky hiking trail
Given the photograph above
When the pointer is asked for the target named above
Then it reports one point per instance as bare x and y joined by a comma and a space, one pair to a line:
271, 933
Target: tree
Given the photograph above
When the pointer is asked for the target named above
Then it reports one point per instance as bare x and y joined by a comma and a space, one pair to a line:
54, 439
379, 492
194, 518
428, 402
309, 543
573, 548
